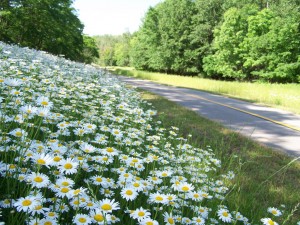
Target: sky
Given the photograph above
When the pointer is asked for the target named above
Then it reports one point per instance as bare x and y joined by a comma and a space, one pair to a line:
112, 16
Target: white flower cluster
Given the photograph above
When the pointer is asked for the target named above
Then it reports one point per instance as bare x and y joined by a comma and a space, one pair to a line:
77, 146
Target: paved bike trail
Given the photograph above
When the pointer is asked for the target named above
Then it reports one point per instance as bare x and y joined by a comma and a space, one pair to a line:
273, 127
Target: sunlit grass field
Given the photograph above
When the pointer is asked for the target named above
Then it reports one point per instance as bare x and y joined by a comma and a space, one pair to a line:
284, 96
77, 146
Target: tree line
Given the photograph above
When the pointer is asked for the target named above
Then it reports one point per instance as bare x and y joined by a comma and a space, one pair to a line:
49, 25
253, 40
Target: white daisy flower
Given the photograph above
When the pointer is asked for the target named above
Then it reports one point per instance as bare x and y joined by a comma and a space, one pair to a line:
140, 214
148, 221
107, 205
224, 215
274, 211
185, 187
38, 180
268, 221
168, 218
44, 102
26, 204
68, 166
19, 133
129, 193
158, 198
42, 159
99, 217
82, 219
48, 221
198, 220
65, 182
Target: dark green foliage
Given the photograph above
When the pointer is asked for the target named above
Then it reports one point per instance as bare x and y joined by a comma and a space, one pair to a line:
232, 39
254, 44
227, 61
90, 49
49, 25
163, 43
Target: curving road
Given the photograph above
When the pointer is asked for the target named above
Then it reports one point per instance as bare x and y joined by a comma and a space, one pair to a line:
273, 127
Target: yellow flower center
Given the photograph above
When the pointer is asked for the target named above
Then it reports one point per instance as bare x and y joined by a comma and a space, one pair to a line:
98, 218
89, 204
65, 183
274, 212
129, 192
65, 190
68, 166
106, 207
48, 223
185, 188
141, 214
76, 202
44, 103
51, 214
271, 222
19, 134
136, 184
110, 150
82, 220
135, 160
225, 214
41, 161
26, 202
149, 223
99, 179
56, 159
12, 166
38, 207
196, 195
77, 191
38, 179
159, 198
170, 220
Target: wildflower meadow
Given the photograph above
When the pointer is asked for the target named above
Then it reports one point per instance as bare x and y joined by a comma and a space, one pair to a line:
79, 147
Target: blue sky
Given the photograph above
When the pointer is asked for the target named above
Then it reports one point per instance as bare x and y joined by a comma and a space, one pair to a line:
112, 16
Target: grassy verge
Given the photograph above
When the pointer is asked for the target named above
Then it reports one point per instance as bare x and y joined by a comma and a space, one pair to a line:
264, 178
285, 96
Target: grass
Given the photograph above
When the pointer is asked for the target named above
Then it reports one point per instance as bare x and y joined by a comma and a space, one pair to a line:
264, 178
284, 96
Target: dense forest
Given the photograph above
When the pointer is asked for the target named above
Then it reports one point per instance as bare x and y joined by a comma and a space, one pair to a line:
223, 39
49, 25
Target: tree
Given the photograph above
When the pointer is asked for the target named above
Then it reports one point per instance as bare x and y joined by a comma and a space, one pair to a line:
90, 49
227, 61
272, 46
49, 25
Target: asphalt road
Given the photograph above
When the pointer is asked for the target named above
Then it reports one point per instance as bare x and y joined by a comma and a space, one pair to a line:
246, 118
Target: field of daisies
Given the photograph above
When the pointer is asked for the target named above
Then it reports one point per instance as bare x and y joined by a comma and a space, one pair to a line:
79, 147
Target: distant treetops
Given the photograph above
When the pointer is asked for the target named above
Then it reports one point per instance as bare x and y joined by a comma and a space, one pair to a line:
49, 25
222, 39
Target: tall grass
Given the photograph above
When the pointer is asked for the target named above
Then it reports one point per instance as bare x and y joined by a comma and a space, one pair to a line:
263, 178
284, 96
